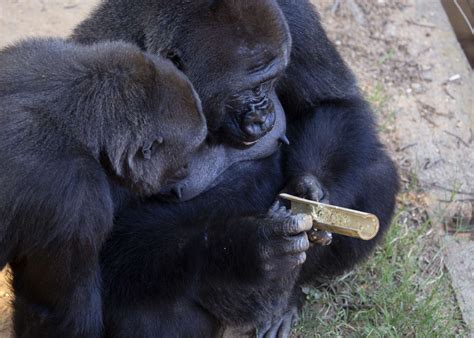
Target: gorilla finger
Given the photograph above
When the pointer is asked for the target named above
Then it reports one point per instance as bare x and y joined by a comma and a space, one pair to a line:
318, 195
280, 328
263, 329
291, 247
275, 207
309, 187
296, 224
287, 323
273, 331
295, 260
294, 245
278, 210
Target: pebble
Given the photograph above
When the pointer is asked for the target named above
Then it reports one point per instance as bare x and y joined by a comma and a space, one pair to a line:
454, 78
417, 88
390, 30
427, 76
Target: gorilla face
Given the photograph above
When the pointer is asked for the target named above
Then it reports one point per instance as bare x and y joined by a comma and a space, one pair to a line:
249, 113
233, 52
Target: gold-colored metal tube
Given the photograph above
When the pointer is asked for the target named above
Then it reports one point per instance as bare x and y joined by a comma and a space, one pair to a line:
335, 219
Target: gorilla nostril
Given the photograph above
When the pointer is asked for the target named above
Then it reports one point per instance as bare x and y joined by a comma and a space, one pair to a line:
259, 117
256, 123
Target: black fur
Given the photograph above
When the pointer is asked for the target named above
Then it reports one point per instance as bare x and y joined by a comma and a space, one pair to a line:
196, 268
77, 125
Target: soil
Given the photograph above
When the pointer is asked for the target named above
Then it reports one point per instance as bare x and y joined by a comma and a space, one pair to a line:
409, 66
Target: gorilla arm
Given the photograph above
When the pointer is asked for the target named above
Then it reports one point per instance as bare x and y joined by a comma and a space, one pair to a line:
333, 140
224, 263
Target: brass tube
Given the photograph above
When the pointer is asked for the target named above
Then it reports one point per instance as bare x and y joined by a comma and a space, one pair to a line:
335, 219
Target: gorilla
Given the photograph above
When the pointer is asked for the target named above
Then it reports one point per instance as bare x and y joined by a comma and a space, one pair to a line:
80, 125
224, 259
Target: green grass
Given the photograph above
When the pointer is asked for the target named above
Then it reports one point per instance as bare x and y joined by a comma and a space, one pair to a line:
377, 97
389, 55
403, 290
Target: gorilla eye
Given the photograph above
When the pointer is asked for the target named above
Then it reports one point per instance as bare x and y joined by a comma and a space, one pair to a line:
258, 90
175, 57
147, 150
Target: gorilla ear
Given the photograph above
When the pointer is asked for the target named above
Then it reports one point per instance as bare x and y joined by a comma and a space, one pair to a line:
174, 56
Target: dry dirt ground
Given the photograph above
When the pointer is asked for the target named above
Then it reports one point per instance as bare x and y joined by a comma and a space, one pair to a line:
412, 71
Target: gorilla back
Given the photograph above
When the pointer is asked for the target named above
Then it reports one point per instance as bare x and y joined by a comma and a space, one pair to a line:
76, 123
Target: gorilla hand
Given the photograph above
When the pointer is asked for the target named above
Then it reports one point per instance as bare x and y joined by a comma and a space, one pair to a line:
283, 240
279, 326
307, 186
264, 254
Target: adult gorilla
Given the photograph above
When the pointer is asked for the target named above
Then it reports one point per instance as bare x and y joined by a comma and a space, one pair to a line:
221, 259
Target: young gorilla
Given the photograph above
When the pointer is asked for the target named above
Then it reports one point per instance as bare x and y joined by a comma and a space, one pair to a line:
78, 123
221, 259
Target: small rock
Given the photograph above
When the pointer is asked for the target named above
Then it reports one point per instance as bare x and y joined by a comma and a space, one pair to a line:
427, 76
454, 78
417, 88
390, 30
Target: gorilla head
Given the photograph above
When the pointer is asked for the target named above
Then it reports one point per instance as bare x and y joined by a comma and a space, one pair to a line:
233, 52
154, 122
152, 119
134, 111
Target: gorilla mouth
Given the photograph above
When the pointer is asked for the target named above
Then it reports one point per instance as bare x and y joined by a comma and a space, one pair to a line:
247, 132
256, 125
250, 143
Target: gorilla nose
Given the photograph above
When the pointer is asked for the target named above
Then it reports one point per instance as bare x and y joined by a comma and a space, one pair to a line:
257, 123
